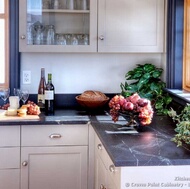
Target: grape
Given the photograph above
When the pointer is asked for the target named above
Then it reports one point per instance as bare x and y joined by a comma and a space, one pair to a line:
5, 106
115, 104
133, 104
32, 108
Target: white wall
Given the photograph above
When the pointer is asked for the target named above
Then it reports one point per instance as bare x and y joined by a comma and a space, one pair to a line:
74, 73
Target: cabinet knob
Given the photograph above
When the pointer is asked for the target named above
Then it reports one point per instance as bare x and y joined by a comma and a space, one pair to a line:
112, 168
99, 146
55, 136
101, 37
23, 37
24, 163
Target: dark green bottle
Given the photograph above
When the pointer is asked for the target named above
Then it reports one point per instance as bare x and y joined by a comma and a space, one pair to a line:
49, 97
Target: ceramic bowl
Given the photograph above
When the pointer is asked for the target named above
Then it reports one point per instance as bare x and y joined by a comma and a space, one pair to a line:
92, 103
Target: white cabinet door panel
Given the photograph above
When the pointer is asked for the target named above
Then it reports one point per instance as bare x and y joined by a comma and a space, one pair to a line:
131, 26
54, 167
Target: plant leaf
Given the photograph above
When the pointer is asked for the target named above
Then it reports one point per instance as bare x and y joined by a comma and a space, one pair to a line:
148, 67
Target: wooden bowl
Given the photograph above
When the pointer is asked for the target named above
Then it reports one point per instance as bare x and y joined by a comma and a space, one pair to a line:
92, 103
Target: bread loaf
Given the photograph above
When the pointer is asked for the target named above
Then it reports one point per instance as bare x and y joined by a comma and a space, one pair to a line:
93, 95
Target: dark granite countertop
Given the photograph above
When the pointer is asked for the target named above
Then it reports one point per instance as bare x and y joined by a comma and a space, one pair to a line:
152, 146
60, 117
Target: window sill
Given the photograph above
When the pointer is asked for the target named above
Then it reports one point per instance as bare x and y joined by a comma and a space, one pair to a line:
180, 96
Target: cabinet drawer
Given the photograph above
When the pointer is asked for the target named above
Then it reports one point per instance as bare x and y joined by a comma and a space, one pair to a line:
9, 136
9, 158
9, 179
50, 135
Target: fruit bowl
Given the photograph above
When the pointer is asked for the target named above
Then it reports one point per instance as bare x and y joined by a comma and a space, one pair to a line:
91, 104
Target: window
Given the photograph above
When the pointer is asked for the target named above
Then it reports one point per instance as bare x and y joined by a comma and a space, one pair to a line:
4, 44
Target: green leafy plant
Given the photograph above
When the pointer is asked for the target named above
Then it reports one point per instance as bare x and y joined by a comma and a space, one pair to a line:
145, 80
182, 125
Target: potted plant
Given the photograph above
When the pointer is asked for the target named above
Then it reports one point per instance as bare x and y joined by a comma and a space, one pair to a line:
182, 125
145, 80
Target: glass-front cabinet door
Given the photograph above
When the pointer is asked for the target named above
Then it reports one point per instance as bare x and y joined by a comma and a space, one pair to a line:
58, 25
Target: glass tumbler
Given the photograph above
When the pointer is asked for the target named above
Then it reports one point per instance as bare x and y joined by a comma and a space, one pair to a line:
30, 34
86, 39
45, 4
56, 4
74, 40
83, 4
70, 4
77, 6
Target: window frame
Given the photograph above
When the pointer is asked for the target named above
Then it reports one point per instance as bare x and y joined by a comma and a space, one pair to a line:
174, 54
14, 55
5, 16
186, 48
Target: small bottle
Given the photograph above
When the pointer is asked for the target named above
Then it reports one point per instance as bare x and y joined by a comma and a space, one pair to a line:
49, 97
41, 90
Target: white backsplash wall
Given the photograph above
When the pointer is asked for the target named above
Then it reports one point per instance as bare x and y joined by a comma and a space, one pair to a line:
75, 73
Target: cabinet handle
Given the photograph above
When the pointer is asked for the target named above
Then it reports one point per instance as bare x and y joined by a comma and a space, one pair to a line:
99, 146
101, 37
112, 168
24, 163
23, 37
55, 136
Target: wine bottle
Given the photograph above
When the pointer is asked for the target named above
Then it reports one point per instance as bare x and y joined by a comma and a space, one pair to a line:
49, 97
41, 90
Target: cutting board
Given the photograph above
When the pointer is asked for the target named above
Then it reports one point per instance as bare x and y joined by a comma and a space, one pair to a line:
17, 118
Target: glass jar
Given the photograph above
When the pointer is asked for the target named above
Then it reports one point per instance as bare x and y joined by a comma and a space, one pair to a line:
38, 35
51, 35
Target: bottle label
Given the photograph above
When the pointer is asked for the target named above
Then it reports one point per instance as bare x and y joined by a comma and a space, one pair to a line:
41, 98
49, 95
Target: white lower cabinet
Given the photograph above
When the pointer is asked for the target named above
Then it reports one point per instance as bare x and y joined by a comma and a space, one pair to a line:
55, 161
9, 157
106, 175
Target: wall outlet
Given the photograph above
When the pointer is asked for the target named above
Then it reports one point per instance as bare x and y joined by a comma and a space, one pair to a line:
26, 79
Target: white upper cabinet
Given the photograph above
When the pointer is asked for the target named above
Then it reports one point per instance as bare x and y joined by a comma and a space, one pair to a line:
115, 26
58, 26
130, 25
